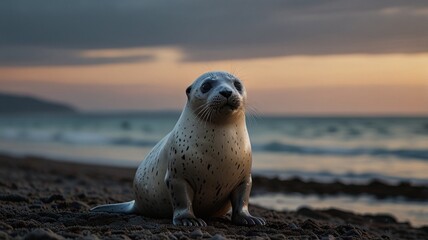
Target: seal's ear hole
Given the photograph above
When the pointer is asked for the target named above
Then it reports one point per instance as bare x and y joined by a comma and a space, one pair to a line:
188, 91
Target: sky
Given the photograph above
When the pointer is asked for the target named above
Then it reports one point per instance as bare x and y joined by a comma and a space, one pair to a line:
356, 57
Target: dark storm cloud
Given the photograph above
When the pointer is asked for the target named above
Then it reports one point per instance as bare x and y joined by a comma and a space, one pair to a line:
222, 29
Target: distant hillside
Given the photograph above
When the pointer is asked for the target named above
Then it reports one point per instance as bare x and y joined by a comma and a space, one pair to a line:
11, 103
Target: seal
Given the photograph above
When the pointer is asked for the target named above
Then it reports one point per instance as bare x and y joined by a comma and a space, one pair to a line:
202, 168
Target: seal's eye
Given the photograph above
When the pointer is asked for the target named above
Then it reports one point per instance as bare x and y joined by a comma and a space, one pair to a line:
206, 87
238, 86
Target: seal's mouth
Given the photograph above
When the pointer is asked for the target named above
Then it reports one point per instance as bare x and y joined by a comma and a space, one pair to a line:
232, 106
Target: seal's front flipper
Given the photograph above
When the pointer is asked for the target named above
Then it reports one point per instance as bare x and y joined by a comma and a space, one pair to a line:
239, 199
126, 207
182, 197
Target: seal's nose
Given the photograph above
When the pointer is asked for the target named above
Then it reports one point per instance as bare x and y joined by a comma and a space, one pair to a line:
226, 93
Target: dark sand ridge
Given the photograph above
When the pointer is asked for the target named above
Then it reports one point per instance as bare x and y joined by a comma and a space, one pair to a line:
375, 188
43, 199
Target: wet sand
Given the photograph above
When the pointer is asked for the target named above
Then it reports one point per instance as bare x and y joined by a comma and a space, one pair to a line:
44, 199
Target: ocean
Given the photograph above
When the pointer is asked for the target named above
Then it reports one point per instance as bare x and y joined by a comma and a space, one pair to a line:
324, 149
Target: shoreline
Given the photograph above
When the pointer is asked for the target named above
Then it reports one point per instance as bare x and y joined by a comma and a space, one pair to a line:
376, 188
47, 198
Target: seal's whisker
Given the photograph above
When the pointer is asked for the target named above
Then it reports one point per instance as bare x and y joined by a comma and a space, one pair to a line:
202, 106
201, 111
201, 114
208, 120
252, 114
205, 114
211, 115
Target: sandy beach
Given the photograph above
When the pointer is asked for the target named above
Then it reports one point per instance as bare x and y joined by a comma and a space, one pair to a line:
45, 199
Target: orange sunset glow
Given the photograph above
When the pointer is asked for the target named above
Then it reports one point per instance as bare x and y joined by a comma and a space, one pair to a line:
374, 74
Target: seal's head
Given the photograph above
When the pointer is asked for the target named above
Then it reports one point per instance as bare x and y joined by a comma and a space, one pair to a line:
217, 96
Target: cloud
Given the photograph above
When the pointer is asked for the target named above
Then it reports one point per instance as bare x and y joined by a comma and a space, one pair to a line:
217, 30
42, 56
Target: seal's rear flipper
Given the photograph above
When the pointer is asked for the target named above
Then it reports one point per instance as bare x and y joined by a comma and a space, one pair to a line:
126, 207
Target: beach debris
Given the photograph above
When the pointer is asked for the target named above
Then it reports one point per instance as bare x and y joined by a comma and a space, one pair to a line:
54, 197
218, 237
13, 198
45, 234
197, 233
